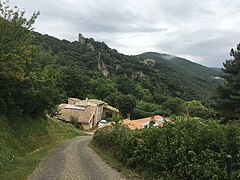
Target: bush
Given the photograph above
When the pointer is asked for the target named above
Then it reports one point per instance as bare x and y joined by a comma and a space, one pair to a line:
139, 113
185, 149
75, 122
173, 105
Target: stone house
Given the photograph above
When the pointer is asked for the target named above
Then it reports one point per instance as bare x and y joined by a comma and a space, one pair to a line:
83, 115
88, 112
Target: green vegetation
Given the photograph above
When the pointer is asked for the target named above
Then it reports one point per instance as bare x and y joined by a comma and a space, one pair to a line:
184, 79
25, 141
110, 159
125, 103
80, 64
28, 80
128, 77
186, 149
37, 72
29, 89
228, 100
173, 106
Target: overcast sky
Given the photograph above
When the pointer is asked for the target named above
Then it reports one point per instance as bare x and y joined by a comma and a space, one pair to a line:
202, 31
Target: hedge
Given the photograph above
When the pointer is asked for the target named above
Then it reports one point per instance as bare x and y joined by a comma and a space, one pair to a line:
183, 149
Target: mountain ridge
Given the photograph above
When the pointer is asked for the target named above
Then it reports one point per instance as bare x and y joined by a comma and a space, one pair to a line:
174, 61
176, 77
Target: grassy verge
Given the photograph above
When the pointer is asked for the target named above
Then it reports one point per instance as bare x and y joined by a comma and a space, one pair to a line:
24, 142
108, 157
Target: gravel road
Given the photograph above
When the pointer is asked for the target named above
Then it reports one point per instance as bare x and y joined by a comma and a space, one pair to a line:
74, 160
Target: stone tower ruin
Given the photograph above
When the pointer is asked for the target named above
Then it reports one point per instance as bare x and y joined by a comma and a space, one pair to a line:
81, 38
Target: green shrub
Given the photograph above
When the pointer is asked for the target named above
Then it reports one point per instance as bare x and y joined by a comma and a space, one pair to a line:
75, 122
186, 149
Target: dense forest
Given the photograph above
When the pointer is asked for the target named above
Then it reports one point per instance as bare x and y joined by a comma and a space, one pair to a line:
103, 73
185, 79
175, 77
43, 71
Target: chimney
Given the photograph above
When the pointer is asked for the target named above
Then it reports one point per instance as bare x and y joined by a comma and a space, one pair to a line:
128, 117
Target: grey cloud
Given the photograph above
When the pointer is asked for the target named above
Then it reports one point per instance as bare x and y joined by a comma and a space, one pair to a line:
195, 28
89, 17
210, 47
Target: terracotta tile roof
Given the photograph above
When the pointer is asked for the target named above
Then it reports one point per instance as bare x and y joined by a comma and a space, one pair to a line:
141, 123
83, 115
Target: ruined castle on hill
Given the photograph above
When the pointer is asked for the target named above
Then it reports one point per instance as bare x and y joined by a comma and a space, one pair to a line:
100, 63
81, 39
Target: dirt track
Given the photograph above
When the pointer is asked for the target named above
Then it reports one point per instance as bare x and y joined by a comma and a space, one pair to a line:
75, 160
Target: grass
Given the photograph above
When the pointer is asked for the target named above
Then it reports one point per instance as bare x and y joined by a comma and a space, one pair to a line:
24, 142
108, 157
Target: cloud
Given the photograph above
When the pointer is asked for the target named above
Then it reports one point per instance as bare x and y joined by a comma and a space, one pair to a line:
202, 30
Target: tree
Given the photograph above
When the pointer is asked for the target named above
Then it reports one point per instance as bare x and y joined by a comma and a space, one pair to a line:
159, 98
125, 103
102, 87
128, 103
228, 93
192, 108
75, 82
104, 90
15, 42
28, 80
173, 105
124, 85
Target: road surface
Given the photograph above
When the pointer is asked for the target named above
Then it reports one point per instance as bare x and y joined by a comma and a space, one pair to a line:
75, 160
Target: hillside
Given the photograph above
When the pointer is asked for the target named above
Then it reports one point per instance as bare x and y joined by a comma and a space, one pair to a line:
180, 65
175, 77
190, 77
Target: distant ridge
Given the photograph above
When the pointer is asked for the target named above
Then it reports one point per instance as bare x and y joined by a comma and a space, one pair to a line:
180, 64
108, 70
184, 74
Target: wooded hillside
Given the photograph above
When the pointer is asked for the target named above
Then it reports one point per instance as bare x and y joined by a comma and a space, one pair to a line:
176, 77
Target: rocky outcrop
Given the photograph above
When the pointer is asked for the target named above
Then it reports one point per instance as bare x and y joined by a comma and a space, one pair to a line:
81, 39
90, 46
138, 74
105, 70
102, 66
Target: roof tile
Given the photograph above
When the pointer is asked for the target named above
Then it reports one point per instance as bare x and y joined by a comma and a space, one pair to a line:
82, 115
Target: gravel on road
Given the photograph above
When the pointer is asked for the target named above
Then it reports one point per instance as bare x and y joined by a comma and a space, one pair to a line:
75, 160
